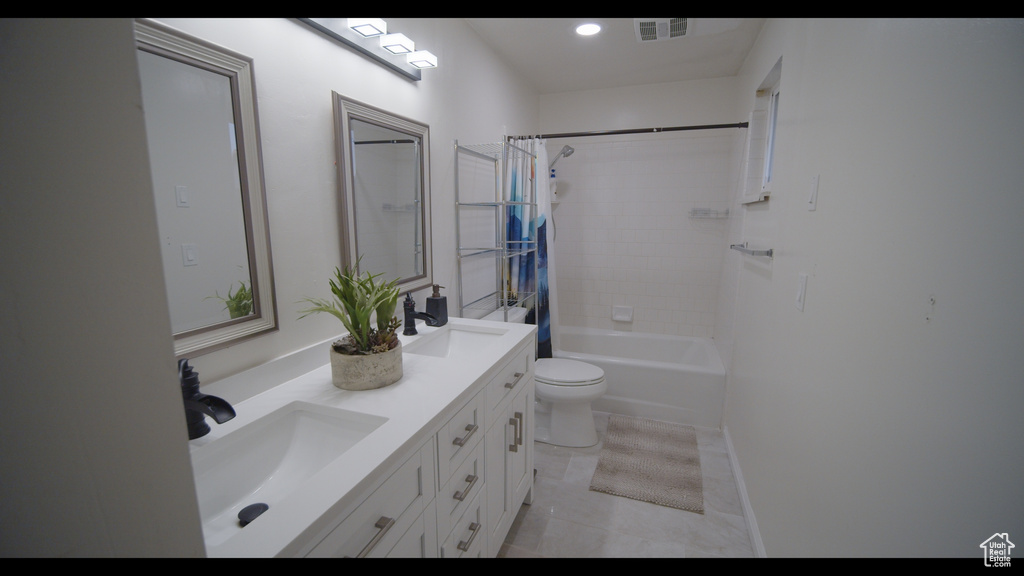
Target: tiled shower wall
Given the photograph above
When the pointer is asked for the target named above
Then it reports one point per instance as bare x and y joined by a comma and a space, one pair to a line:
626, 231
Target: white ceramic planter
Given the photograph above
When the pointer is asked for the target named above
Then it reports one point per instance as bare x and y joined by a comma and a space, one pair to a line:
366, 371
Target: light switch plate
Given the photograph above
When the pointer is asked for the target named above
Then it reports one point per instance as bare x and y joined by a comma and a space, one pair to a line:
189, 256
181, 195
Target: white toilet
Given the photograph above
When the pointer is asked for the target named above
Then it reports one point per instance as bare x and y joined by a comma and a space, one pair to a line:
565, 390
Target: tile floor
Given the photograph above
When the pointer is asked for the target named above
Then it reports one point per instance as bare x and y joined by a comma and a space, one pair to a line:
568, 520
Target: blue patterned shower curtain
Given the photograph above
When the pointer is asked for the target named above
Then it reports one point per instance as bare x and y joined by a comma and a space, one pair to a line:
528, 180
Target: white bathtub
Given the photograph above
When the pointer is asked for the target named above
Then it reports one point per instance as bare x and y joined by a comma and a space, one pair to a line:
671, 378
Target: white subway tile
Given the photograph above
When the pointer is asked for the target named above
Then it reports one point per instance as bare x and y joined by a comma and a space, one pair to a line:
625, 236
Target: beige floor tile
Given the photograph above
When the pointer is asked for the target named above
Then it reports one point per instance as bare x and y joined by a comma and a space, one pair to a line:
568, 520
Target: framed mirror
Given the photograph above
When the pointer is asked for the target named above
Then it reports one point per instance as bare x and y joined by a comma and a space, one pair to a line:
384, 186
199, 101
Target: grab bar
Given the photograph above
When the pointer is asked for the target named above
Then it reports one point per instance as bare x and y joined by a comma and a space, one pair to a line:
743, 248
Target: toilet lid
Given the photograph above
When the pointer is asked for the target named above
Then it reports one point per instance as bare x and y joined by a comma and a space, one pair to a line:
566, 372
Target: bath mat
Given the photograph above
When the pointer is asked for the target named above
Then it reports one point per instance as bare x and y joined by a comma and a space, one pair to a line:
651, 461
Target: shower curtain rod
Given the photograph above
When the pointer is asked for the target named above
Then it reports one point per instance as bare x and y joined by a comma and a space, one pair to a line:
636, 131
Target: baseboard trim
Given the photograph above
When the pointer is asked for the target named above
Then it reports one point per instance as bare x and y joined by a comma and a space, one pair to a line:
748, 512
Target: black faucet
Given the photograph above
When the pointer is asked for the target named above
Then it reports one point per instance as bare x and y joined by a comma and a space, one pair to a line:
198, 405
411, 315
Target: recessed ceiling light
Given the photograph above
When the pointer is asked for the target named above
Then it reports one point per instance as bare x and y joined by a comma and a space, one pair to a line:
588, 29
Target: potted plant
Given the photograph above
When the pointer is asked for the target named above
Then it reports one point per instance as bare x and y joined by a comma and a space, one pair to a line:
238, 304
370, 355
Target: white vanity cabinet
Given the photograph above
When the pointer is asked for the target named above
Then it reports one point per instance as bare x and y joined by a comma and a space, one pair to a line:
508, 446
481, 462
443, 475
396, 520
485, 486
461, 478
469, 536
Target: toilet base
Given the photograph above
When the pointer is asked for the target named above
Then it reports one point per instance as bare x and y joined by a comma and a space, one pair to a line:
568, 424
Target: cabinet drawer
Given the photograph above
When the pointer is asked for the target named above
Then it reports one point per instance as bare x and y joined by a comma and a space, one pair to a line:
420, 541
379, 522
510, 379
460, 489
469, 534
457, 438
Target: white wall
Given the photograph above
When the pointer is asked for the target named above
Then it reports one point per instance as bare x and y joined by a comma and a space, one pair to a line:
93, 447
647, 106
94, 451
471, 97
885, 418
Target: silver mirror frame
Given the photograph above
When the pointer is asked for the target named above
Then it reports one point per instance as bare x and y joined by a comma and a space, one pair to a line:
165, 40
346, 110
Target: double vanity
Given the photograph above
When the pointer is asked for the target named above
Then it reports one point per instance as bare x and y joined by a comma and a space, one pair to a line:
435, 465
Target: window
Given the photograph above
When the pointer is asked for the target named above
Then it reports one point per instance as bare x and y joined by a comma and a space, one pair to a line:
761, 131
769, 150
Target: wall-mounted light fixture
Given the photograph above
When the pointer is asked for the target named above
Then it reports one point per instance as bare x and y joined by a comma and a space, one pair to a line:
368, 27
370, 37
421, 59
397, 43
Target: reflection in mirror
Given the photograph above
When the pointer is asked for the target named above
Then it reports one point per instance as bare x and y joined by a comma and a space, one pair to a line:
386, 194
190, 122
200, 112
384, 180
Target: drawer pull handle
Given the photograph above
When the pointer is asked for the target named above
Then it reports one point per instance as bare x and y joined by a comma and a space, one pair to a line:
519, 429
470, 429
460, 496
383, 525
517, 423
512, 384
465, 544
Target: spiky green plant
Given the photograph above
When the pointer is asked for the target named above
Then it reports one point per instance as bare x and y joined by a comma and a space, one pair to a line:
238, 304
365, 307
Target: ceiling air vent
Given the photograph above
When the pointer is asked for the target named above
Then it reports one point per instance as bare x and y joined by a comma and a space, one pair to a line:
653, 29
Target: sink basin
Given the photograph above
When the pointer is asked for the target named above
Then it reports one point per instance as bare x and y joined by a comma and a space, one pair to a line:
452, 340
269, 458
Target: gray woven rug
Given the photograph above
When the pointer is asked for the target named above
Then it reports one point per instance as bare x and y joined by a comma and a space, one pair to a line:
651, 461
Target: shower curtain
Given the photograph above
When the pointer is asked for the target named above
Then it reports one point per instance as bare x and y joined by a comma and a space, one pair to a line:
523, 230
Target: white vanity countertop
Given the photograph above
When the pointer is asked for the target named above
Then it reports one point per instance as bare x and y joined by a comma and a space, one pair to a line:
430, 390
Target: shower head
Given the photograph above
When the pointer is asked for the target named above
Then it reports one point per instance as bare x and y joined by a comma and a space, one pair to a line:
565, 151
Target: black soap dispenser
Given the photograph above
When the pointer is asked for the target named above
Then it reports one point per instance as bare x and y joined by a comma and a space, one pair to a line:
437, 306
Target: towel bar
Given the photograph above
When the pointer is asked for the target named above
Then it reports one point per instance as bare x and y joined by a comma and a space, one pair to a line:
743, 248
